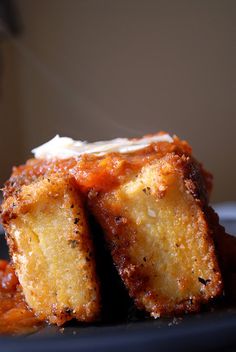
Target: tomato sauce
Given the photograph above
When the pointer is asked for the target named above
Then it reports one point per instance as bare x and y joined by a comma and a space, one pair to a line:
108, 171
15, 316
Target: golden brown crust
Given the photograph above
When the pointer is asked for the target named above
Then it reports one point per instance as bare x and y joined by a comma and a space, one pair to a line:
122, 237
32, 170
100, 179
52, 251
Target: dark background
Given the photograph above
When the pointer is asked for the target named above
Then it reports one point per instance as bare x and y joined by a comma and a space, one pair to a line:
101, 69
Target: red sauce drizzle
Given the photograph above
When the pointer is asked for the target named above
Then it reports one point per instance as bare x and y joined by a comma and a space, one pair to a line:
15, 316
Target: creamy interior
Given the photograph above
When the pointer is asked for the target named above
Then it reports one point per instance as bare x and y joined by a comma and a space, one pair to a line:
65, 147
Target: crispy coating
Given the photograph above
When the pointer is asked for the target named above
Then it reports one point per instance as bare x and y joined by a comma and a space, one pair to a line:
153, 207
160, 238
51, 249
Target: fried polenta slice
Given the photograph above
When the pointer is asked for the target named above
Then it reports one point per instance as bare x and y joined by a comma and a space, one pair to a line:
157, 229
51, 249
153, 207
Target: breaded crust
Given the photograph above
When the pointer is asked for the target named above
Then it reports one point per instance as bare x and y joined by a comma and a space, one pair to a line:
159, 236
153, 207
51, 249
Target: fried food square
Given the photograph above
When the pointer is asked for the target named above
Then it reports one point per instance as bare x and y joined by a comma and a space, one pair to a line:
152, 205
51, 249
157, 228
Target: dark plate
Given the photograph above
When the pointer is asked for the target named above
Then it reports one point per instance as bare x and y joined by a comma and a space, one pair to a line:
212, 330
